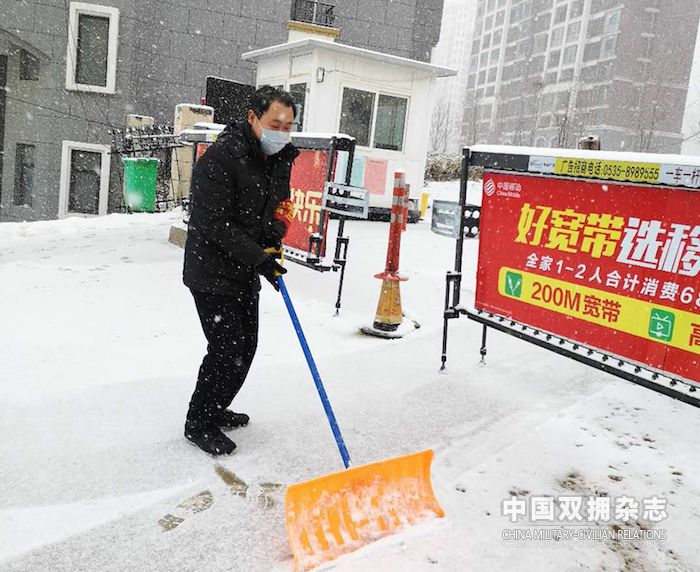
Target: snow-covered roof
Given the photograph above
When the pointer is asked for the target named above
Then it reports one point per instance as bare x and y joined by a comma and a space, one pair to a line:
305, 45
24, 44
688, 160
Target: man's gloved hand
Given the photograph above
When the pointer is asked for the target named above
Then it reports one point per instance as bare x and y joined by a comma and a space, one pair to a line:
270, 268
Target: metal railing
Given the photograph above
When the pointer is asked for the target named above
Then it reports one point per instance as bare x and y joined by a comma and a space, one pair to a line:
313, 12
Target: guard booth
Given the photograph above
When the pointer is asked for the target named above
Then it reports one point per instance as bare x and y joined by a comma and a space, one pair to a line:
384, 102
593, 255
320, 187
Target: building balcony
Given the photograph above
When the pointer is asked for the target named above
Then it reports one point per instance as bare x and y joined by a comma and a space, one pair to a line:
311, 12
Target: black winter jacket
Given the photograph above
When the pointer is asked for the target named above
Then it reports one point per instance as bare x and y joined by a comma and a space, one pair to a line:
234, 192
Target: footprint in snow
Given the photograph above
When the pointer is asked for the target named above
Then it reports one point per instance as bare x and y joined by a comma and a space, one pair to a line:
193, 505
266, 495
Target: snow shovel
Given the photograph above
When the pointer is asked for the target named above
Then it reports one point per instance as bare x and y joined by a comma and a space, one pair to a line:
341, 512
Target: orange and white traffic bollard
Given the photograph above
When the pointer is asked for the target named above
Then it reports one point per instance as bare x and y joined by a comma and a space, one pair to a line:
389, 315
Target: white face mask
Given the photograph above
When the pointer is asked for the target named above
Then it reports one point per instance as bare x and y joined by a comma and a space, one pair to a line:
272, 141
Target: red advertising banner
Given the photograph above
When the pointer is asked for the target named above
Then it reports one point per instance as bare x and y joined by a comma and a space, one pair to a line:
611, 266
308, 179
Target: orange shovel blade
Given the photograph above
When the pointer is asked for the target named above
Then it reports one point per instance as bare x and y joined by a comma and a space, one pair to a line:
341, 512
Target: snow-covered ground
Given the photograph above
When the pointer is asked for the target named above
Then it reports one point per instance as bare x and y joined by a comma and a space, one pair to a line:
99, 350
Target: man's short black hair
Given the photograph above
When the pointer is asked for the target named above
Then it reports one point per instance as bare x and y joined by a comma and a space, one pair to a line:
265, 95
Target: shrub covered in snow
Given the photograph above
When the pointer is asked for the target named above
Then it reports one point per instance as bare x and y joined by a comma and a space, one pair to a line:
447, 167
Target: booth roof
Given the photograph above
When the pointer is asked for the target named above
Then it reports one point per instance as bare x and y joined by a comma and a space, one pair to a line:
205, 126
298, 47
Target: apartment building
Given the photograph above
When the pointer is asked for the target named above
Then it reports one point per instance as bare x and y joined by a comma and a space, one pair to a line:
545, 72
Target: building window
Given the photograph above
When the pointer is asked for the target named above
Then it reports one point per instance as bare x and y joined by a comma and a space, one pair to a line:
653, 18
28, 66
84, 179
591, 52
605, 71
500, 17
567, 74
557, 37
24, 174
570, 55
573, 31
560, 14
608, 46
554, 58
611, 22
540, 43
298, 93
600, 95
576, 9
92, 48
595, 27
357, 117
390, 123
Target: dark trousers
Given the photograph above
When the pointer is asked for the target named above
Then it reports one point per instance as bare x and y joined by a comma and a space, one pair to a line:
230, 324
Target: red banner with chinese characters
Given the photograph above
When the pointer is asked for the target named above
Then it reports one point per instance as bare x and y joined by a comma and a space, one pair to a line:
611, 266
309, 175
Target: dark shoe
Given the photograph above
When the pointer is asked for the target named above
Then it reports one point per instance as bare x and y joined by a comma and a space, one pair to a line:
230, 420
210, 440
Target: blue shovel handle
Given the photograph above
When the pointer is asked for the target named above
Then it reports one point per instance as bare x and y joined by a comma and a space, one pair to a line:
314, 373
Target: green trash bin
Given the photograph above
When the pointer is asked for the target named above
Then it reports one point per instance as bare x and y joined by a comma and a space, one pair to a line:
140, 176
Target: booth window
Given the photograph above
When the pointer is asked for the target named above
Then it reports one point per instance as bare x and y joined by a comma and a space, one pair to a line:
24, 174
356, 114
92, 48
385, 128
391, 119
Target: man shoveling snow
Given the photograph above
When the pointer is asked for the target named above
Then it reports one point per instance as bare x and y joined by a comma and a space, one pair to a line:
240, 208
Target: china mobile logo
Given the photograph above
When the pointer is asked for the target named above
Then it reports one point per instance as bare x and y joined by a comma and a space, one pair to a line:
489, 187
